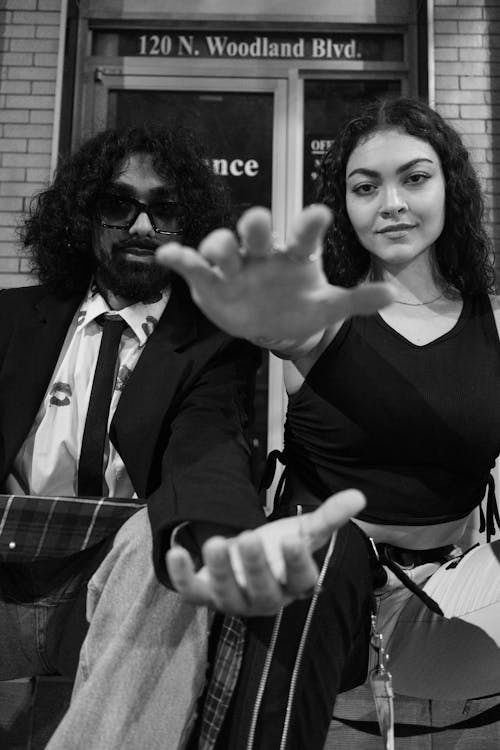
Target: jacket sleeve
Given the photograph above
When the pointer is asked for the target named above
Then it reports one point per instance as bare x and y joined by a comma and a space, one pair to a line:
206, 463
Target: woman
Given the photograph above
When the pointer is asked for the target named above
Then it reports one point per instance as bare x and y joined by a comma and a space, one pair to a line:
402, 405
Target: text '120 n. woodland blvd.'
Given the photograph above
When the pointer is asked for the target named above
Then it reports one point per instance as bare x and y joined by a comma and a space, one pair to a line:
247, 46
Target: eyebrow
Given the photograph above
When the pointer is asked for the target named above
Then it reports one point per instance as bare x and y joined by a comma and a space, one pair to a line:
399, 170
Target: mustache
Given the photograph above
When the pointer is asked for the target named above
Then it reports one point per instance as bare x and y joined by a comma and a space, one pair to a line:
143, 244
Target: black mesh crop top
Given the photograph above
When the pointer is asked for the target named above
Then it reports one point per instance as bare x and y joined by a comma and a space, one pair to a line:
416, 428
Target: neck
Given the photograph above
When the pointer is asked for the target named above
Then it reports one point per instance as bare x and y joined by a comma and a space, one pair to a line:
114, 301
416, 283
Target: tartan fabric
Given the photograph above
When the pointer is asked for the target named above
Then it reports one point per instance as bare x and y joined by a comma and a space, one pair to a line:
44, 528
223, 681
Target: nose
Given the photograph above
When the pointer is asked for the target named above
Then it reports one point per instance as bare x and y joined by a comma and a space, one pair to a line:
142, 226
393, 204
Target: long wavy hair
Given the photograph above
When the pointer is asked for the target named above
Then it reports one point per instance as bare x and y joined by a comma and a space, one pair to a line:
462, 252
57, 232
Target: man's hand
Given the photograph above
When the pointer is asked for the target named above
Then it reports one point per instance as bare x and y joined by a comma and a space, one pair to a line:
269, 295
260, 571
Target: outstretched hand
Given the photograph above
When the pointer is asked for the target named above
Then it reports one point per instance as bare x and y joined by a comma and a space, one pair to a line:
264, 294
260, 571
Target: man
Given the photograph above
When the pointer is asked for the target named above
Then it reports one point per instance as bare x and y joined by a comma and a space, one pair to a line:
83, 590
179, 418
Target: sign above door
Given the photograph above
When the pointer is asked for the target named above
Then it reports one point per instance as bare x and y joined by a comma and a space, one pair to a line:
242, 45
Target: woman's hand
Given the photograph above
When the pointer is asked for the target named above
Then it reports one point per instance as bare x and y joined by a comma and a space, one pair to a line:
260, 571
275, 297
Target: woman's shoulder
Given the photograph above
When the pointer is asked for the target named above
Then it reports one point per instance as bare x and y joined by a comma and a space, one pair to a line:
495, 306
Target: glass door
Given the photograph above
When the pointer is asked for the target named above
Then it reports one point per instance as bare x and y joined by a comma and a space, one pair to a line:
264, 135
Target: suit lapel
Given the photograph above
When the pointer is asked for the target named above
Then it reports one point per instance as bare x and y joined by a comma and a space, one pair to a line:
149, 391
28, 366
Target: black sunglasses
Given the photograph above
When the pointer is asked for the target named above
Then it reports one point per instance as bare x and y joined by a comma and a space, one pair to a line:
121, 212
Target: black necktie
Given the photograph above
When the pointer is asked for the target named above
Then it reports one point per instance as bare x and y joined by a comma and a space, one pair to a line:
90, 467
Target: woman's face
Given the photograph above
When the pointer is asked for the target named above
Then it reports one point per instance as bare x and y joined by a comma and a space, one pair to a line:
395, 197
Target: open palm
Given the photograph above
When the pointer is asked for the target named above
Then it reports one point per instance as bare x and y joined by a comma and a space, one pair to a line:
260, 571
264, 294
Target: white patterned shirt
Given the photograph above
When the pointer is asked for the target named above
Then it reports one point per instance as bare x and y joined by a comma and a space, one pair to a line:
47, 463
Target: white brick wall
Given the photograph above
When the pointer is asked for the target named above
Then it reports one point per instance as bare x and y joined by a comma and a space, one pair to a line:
467, 65
29, 35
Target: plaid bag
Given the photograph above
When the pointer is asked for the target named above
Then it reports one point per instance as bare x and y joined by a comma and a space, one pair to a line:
43, 528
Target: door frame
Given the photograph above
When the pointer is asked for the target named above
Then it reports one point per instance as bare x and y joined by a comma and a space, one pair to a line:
287, 87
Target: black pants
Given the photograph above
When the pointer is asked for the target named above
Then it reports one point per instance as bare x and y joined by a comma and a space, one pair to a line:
334, 659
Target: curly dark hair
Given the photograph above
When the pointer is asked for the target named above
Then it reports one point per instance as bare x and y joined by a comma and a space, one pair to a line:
57, 232
463, 250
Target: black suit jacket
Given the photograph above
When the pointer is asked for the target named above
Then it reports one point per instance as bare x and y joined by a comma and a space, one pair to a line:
180, 425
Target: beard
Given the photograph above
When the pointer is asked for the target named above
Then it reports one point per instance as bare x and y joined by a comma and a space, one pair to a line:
133, 280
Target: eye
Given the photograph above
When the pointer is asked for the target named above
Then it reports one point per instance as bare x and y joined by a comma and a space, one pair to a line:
417, 178
113, 208
365, 188
166, 209
167, 215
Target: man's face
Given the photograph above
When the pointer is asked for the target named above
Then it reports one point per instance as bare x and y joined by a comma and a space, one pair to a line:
125, 257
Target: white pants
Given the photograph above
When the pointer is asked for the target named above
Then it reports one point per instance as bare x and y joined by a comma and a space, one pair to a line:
453, 657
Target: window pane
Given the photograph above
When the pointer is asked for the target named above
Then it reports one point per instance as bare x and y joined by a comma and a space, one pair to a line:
326, 104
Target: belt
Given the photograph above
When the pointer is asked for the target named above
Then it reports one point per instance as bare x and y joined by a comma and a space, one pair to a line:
411, 558
398, 559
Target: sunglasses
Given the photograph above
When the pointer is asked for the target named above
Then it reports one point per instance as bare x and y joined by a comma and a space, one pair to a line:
121, 212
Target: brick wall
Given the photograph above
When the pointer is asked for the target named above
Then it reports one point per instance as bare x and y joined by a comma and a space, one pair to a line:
29, 35
467, 82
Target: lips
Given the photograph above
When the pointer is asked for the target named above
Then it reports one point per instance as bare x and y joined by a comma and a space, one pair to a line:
142, 249
396, 228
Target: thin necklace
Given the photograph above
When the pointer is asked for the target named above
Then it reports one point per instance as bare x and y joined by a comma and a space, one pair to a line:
418, 304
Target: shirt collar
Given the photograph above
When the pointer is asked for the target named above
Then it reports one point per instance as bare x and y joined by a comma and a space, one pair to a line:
141, 318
